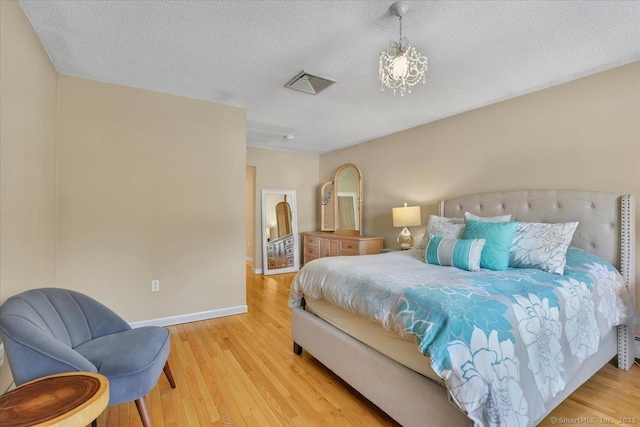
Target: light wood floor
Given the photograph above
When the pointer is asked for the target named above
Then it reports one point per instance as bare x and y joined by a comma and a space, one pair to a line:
241, 370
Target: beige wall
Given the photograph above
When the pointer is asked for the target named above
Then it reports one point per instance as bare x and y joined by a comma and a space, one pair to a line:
280, 170
149, 187
582, 135
28, 113
250, 197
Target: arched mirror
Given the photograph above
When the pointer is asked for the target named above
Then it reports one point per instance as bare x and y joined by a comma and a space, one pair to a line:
280, 232
347, 199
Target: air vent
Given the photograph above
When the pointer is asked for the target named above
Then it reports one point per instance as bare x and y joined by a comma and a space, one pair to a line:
307, 82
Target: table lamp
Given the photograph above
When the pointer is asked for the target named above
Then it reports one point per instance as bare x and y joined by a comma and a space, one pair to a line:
406, 216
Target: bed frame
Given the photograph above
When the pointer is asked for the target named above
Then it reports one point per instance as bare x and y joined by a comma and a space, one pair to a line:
607, 229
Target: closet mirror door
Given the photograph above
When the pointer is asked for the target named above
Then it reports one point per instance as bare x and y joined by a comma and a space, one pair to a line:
347, 199
279, 232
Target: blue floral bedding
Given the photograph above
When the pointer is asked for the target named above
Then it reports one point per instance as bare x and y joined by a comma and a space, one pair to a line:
504, 342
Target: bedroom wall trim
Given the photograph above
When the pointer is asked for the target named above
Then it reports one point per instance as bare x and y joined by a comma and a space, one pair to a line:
191, 317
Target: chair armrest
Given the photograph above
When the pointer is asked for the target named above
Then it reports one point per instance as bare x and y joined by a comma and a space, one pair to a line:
36, 354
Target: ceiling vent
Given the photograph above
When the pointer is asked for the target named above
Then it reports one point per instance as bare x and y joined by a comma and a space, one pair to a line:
307, 82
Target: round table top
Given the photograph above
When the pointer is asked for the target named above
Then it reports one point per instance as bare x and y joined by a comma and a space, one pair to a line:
69, 399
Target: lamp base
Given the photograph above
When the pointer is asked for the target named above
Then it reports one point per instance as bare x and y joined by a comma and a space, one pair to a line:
405, 239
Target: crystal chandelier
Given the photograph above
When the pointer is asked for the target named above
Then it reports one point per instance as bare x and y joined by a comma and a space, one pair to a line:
401, 66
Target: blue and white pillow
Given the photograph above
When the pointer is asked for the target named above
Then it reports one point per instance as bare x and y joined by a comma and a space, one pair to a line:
498, 236
542, 246
464, 254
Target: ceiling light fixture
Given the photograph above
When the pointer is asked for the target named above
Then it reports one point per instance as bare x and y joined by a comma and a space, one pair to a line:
401, 67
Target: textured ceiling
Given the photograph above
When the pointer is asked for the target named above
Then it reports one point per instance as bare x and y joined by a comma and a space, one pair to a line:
243, 52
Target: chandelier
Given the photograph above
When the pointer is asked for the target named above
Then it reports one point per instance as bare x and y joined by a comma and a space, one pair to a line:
401, 66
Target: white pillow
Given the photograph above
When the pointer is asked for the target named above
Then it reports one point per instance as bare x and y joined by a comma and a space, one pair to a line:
542, 246
500, 218
449, 228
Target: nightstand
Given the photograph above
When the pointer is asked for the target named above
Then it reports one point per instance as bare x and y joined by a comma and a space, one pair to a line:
386, 250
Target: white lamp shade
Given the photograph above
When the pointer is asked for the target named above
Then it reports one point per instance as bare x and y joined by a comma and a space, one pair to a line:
407, 216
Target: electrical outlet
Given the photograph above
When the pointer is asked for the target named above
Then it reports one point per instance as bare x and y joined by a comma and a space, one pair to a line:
155, 286
1, 353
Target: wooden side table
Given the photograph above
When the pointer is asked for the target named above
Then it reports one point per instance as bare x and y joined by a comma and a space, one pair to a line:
72, 399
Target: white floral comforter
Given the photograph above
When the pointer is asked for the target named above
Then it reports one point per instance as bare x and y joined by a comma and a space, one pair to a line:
504, 342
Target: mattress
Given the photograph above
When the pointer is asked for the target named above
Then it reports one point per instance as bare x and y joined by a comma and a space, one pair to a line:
392, 345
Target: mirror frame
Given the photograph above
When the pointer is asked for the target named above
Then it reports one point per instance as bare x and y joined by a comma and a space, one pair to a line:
291, 199
336, 190
326, 207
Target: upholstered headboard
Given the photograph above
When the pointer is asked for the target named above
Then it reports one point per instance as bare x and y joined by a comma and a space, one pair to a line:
606, 220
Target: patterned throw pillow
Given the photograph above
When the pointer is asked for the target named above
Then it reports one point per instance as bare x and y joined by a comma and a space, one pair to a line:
464, 254
542, 246
440, 226
500, 218
499, 235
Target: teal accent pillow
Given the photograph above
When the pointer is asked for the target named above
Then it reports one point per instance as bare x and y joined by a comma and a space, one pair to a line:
498, 236
464, 254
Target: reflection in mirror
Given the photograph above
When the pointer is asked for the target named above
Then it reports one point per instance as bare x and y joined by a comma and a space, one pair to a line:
326, 207
347, 210
347, 205
280, 237
283, 217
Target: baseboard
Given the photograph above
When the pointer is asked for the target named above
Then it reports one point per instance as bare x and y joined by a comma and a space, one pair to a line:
191, 317
256, 270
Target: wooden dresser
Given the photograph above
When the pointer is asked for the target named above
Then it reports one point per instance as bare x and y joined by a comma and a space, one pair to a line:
280, 252
318, 244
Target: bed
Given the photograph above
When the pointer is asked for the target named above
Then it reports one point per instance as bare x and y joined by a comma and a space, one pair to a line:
380, 358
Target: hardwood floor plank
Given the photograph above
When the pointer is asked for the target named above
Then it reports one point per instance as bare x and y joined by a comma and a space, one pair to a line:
241, 371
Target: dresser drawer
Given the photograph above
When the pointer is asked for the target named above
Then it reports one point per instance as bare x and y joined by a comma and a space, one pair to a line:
348, 245
311, 241
311, 250
308, 258
345, 252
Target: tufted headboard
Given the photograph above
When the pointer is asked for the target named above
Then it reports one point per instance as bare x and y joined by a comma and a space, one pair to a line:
607, 221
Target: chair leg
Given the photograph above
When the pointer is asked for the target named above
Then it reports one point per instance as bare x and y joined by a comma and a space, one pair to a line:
141, 404
169, 375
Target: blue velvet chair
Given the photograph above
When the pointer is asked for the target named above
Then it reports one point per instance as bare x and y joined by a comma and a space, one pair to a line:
49, 331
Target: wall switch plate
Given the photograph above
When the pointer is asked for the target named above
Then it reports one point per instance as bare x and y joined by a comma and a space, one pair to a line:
155, 286
1, 353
